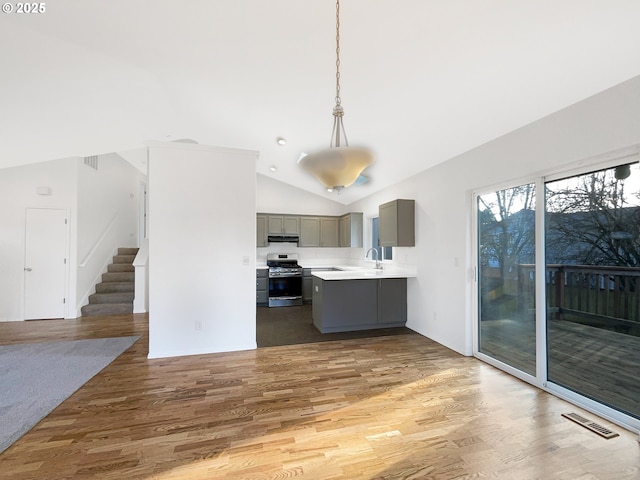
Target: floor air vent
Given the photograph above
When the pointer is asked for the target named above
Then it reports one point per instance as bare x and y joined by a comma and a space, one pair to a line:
594, 427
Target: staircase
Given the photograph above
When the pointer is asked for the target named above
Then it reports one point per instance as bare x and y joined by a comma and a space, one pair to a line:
114, 295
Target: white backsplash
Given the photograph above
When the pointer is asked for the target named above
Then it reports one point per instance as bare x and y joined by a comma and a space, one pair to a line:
313, 256
318, 257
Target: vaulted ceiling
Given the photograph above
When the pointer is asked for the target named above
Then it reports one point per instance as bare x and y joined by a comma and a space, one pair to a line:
422, 80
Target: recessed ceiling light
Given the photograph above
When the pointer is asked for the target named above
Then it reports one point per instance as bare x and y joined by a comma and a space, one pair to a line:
330, 190
273, 168
281, 141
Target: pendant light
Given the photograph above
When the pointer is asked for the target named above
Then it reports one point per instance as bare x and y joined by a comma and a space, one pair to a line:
338, 166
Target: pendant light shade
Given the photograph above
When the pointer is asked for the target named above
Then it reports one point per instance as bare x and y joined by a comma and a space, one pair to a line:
338, 166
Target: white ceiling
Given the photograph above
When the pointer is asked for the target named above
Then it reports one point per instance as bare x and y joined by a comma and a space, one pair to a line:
422, 80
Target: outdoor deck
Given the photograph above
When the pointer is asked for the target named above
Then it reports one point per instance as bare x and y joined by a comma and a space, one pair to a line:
593, 331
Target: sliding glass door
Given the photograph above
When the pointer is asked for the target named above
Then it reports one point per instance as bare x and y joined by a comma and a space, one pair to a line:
506, 276
593, 286
558, 293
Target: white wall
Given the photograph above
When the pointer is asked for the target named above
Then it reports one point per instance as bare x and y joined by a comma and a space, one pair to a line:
439, 299
274, 196
88, 102
108, 208
202, 237
17, 193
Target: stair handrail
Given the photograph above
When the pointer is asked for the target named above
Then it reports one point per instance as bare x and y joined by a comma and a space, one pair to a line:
99, 240
141, 291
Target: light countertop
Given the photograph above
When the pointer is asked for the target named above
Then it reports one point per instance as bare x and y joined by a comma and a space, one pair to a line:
364, 274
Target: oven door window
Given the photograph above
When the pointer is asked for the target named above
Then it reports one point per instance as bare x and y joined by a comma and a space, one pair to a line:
285, 287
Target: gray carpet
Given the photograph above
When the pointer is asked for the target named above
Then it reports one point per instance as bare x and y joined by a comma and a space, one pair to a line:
36, 377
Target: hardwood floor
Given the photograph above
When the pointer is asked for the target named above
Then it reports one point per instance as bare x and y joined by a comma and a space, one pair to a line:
294, 325
598, 363
387, 407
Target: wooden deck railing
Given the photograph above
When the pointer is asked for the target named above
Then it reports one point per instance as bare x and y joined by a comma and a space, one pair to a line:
598, 292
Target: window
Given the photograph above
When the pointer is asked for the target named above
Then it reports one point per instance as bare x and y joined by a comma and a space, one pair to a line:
384, 253
558, 284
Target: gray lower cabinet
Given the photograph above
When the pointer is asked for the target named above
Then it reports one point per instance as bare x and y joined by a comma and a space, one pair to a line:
346, 305
262, 286
392, 300
307, 282
307, 285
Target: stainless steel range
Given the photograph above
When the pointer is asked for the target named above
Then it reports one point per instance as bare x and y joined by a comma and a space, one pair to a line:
285, 280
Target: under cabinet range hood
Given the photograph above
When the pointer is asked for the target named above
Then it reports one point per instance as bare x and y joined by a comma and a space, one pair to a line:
283, 239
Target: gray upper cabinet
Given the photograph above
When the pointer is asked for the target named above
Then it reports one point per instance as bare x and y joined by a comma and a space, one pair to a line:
314, 231
309, 231
319, 232
261, 231
351, 230
329, 232
283, 224
397, 223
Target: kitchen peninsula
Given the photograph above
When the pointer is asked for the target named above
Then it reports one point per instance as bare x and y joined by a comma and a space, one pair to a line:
359, 299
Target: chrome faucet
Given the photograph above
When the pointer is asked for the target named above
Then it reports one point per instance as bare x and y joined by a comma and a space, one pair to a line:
378, 264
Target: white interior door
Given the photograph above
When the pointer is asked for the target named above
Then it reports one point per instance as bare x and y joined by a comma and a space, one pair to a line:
45, 263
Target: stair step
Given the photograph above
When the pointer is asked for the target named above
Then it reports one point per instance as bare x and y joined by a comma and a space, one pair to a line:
96, 309
114, 296
121, 267
118, 277
124, 259
114, 287
117, 297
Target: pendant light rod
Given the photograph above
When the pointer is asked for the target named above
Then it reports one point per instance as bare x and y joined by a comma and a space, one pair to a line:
338, 130
340, 165
338, 99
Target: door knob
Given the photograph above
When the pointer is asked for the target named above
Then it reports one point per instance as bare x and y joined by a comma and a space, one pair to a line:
27, 269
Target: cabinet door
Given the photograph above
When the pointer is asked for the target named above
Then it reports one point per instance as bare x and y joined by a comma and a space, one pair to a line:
276, 224
397, 223
345, 304
345, 231
261, 231
291, 225
309, 231
388, 224
351, 230
392, 300
329, 229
